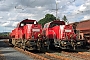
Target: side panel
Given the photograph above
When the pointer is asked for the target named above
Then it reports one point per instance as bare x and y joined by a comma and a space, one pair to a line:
15, 33
57, 32
20, 33
28, 31
25, 33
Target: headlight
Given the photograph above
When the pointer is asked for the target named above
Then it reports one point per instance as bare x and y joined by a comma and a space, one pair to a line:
39, 35
64, 43
45, 42
78, 42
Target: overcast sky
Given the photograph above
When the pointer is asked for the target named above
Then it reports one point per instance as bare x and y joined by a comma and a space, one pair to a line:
14, 11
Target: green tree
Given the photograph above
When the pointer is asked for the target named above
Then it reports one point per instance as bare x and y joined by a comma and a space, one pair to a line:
46, 19
65, 19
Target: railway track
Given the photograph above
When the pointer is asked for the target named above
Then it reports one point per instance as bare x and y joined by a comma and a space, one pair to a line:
63, 55
40, 56
47, 56
43, 56
2, 56
81, 55
84, 53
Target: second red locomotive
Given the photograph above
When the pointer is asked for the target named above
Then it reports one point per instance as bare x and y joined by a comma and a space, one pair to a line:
61, 35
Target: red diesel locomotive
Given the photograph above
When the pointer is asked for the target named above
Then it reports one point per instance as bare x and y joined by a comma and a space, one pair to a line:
61, 35
28, 35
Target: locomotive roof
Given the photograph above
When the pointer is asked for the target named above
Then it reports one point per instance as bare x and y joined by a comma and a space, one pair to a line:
58, 21
27, 21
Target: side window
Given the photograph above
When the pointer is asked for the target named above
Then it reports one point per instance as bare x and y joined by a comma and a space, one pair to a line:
52, 25
45, 26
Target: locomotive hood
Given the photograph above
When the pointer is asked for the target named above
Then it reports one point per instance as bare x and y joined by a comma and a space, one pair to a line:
63, 32
58, 30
